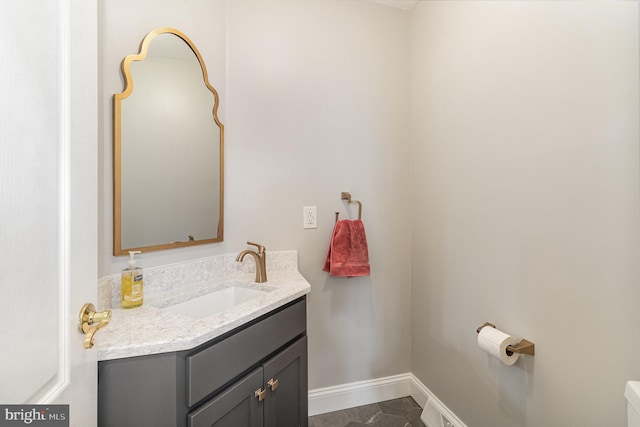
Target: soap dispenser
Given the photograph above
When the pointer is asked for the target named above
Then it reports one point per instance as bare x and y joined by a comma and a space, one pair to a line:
131, 281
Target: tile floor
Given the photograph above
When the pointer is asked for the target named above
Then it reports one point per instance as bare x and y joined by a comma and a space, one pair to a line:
403, 412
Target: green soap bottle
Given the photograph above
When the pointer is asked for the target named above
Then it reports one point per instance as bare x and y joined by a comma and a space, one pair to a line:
131, 281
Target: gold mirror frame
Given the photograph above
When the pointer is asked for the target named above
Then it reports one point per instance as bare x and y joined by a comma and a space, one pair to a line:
117, 148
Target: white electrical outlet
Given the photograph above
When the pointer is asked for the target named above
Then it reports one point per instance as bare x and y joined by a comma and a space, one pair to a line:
309, 217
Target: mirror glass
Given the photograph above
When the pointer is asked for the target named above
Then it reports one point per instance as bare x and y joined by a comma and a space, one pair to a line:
168, 149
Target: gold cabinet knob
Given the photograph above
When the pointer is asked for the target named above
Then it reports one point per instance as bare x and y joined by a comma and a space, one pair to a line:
260, 394
273, 383
89, 321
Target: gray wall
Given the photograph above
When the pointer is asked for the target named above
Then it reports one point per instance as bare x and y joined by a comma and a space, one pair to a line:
520, 206
525, 187
315, 102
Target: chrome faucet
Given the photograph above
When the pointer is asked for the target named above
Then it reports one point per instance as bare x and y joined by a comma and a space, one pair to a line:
260, 259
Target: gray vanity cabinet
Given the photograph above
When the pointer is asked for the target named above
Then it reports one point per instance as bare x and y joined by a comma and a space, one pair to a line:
254, 376
274, 395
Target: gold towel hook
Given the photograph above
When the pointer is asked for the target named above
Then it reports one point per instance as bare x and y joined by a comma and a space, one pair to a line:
347, 196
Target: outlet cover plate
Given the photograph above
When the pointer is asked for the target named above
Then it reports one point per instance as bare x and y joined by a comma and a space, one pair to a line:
309, 217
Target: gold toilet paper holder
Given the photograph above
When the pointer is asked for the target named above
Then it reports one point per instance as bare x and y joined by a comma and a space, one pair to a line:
523, 347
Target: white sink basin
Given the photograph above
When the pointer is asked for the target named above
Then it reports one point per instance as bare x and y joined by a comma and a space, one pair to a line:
214, 302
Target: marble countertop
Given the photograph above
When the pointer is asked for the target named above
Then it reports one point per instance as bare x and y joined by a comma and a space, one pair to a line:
150, 329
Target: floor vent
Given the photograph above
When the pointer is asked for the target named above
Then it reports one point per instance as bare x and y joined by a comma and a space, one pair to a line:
432, 417
446, 422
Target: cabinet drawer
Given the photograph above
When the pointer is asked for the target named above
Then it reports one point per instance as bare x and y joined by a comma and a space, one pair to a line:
212, 367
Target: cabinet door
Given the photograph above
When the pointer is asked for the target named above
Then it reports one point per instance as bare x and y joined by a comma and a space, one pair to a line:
235, 407
285, 377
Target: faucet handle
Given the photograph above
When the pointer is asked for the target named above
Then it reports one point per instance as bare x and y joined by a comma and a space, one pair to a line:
258, 245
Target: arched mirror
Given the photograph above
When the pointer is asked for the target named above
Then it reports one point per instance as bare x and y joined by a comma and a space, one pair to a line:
168, 149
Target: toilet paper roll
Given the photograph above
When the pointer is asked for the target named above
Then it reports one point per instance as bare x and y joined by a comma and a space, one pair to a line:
495, 343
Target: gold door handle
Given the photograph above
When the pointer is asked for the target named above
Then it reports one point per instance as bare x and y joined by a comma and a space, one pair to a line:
89, 322
273, 384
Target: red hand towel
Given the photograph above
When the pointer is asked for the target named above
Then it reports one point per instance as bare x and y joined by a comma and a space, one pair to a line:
348, 254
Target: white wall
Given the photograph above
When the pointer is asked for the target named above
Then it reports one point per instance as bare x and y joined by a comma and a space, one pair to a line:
526, 209
314, 99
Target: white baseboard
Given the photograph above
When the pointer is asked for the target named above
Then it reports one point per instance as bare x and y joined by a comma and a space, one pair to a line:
336, 398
